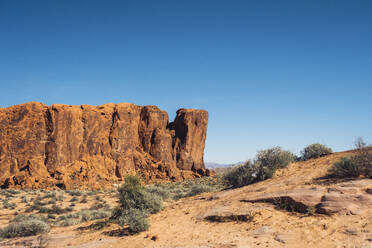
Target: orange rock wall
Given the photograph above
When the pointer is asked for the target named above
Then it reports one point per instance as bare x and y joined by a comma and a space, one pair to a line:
95, 146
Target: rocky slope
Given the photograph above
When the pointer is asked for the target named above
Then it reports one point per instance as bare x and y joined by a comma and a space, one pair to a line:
94, 146
341, 217
336, 213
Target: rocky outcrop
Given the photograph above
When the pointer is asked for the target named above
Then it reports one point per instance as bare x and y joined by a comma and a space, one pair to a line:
342, 198
94, 146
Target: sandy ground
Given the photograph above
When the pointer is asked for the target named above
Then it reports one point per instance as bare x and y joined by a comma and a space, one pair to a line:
182, 223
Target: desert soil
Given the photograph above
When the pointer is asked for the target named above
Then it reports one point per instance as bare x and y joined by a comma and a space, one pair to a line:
183, 223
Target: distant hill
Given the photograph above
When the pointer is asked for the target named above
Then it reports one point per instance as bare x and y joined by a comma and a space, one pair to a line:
213, 165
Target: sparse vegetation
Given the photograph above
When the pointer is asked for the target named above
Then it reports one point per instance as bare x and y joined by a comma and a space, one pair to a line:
84, 199
81, 216
263, 167
135, 205
25, 225
54, 209
315, 150
24, 199
8, 205
133, 195
74, 192
135, 219
187, 188
357, 165
241, 175
345, 167
269, 160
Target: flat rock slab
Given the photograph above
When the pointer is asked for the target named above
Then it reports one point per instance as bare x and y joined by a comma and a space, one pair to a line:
225, 214
345, 198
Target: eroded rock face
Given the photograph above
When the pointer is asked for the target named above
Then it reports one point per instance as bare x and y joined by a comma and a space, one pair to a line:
93, 146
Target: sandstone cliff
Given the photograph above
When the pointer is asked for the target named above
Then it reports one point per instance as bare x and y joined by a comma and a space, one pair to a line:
95, 146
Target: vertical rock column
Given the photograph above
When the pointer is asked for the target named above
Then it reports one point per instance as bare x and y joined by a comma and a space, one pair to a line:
190, 126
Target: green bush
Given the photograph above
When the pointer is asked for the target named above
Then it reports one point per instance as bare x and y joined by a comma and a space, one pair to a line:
354, 166
23, 217
133, 195
263, 167
186, 188
363, 159
24, 199
241, 175
81, 216
199, 188
158, 190
269, 160
357, 165
345, 167
135, 204
315, 151
8, 205
135, 219
24, 228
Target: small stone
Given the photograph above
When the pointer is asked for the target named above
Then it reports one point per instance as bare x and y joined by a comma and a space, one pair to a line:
154, 238
351, 231
262, 230
279, 239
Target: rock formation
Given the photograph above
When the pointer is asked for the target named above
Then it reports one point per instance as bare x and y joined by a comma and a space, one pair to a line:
95, 146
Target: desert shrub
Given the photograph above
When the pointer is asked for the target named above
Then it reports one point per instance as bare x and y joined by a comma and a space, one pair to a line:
345, 167
81, 216
356, 165
74, 199
100, 205
24, 199
133, 195
187, 188
241, 175
269, 160
98, 225
84, 199
36, 206
38, 202
315, 151
24, 217
90, 193
135, 219
10, 192
52, 195
8, 205
52, 216
158, 190
200, 188
135, 204
74, 192
24, 228
363, 157
274, 157
54, 209
263, 167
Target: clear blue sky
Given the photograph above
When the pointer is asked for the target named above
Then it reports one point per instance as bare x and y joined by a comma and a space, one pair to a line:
285, 73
